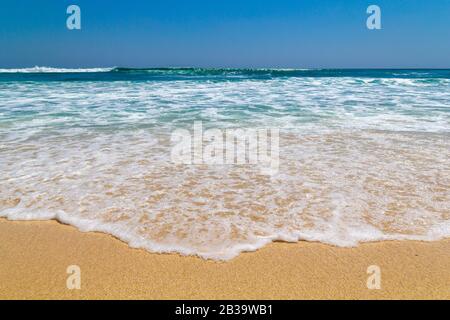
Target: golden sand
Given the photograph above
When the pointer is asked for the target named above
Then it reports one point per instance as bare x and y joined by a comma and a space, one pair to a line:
34, 257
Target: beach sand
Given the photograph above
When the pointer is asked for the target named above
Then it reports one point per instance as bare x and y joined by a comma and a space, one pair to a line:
34, 257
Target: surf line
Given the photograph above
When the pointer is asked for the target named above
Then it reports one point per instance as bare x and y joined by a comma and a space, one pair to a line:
186, 310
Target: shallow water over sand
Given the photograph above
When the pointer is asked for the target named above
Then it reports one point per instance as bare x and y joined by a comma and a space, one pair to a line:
361, 159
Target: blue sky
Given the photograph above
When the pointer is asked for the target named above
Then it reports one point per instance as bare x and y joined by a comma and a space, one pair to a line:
225, 33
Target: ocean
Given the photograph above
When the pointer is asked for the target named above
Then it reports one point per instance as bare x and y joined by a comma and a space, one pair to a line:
364, 155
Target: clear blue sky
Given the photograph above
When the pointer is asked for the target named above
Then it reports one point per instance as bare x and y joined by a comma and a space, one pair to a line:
225, 33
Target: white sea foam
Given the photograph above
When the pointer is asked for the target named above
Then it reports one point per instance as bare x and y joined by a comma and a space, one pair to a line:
338, 188
37, 69
359, 161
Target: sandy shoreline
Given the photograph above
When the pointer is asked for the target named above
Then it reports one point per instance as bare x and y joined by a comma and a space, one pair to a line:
34, 257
